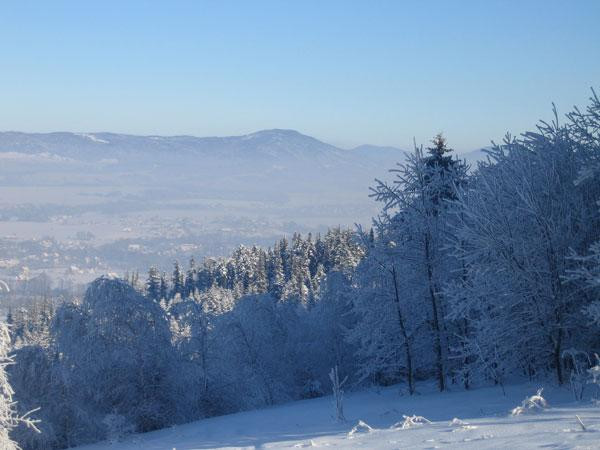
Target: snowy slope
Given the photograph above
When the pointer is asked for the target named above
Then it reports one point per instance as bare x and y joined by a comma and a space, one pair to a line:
484, 422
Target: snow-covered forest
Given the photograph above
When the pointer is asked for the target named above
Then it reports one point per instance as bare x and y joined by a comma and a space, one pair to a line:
469, 277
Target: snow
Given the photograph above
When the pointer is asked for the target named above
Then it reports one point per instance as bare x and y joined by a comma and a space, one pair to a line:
93, 138
476, 419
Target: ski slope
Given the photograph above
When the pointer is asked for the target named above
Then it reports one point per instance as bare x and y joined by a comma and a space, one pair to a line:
476, 419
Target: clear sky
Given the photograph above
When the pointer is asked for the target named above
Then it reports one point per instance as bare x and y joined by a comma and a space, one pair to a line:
347, 72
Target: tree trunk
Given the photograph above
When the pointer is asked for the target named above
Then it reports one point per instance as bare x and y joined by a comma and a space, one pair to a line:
557, 357
407, 350
436, 321
467, 373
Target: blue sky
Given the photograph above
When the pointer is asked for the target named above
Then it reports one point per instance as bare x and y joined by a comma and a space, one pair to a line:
347, 72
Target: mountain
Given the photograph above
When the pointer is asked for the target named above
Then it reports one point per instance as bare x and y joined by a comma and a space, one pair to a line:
269, 164
282, 168
272, 147
267, 144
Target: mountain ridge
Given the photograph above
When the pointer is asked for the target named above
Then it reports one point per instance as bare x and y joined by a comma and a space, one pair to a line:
277, 146
32, 142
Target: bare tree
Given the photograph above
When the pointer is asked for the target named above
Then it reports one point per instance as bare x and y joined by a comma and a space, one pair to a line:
338, 394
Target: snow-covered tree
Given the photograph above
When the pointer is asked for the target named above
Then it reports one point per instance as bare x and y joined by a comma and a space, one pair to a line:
518, 222
190, 279
254, 340
177, 281
415, 218
387, 320
153, 284
9, 419
117, 351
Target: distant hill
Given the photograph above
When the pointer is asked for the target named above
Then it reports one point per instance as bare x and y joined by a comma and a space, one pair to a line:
267, 144
270, 164
276, 147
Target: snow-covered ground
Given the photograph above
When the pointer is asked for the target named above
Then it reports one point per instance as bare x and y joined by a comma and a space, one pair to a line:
475, 419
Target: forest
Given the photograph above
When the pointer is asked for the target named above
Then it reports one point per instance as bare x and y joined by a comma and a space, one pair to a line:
468, 277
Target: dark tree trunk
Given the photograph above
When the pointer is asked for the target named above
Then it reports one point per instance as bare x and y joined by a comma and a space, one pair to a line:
437, 344
407, 350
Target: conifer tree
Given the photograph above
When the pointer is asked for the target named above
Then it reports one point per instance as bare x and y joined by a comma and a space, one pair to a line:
164, 287
415, 210
190, 279
177, 281
153, 284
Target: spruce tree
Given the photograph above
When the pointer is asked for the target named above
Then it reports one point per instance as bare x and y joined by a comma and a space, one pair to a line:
164, 287
153, 284
190, 279
177, 280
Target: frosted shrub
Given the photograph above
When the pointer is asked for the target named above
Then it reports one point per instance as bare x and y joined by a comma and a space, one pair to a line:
531, 404
456, 422
360, 427
411, 422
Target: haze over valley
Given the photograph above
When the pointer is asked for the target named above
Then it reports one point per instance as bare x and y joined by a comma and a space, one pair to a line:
77, 206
